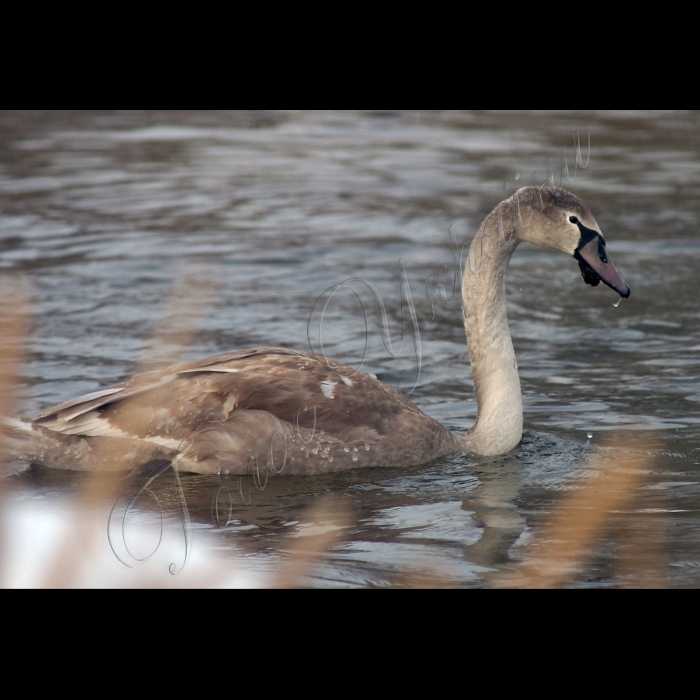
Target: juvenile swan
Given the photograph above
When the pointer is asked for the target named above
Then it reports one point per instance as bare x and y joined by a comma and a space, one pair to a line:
288, 412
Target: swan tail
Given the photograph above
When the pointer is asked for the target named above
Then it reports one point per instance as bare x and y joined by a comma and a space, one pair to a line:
29, 442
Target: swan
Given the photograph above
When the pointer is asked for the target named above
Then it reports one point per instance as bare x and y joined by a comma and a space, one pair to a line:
293, 413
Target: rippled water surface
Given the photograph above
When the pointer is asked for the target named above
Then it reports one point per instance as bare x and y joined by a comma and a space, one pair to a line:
253, 215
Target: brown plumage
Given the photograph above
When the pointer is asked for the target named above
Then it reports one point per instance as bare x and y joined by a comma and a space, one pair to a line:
279, 409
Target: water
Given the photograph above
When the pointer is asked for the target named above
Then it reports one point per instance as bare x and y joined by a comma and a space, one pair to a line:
107, 212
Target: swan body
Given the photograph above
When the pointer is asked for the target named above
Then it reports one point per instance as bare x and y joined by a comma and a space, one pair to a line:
288, 412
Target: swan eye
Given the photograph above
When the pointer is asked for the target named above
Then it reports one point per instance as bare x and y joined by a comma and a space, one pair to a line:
573, 219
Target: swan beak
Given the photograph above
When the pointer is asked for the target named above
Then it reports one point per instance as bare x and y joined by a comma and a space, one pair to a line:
596, 266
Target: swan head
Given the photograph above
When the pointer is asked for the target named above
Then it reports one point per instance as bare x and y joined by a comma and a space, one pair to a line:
555, 218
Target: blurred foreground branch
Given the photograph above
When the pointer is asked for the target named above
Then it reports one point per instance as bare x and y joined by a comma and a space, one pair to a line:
597, 504
14, 330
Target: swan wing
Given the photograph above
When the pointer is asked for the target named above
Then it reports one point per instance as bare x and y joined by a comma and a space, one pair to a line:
169, 405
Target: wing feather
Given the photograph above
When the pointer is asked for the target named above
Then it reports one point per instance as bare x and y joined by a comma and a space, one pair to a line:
292, 386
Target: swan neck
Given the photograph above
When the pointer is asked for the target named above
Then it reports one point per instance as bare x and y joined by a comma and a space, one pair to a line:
499, 424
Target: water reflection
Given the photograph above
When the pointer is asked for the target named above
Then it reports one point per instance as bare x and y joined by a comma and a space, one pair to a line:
495, 509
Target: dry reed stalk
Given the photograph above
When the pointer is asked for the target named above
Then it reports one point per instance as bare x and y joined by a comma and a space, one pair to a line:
305, 552
83, 537
14, 328
642, 558
183, 309
424, 578
583, 516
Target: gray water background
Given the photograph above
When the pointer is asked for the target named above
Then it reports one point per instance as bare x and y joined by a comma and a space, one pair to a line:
107, 211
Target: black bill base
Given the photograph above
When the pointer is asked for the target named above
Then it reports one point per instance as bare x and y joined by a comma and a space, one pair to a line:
596, 266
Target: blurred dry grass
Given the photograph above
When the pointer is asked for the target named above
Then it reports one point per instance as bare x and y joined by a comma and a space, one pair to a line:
14, 329
183, 310
331, 517
600, 505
